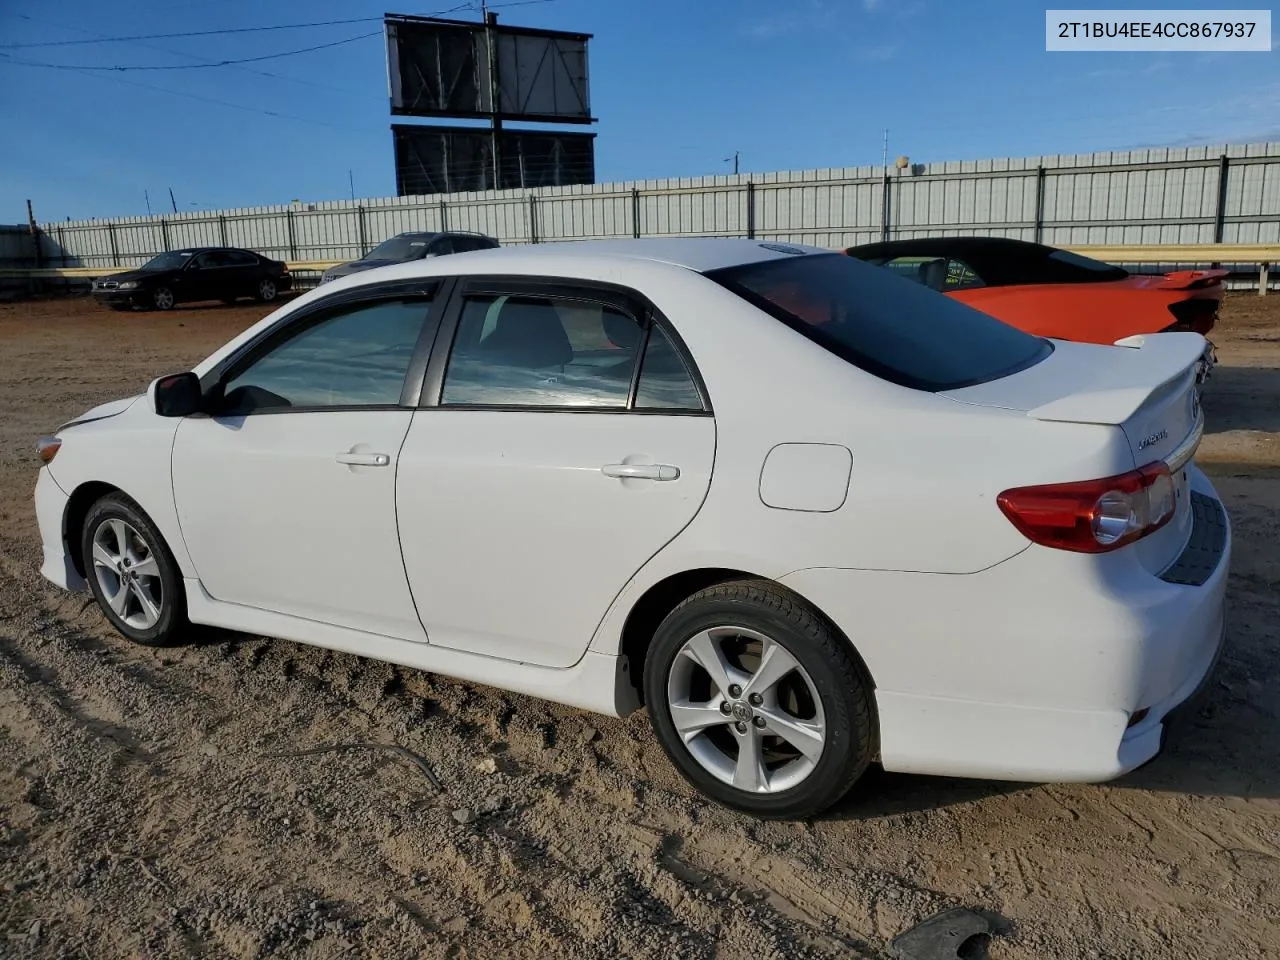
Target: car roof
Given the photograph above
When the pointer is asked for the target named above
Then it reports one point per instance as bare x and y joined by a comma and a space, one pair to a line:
699, 254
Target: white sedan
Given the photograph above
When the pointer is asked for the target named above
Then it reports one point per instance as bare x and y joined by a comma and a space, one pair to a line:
809, 514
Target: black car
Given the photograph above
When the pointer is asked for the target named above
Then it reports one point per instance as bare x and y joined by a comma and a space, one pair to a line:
197, 273
413, 246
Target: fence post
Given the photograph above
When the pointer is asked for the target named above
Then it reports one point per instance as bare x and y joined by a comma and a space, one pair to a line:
751, 210
444, 214
115, 254
293, 243
1220, 217
1039, 234
884, 205
635, 212
1263, 278
364, 244
62, 245
533, 218
164, 233
222, 229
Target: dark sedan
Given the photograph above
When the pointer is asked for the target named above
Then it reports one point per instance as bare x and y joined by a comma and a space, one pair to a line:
412, 246
197, 273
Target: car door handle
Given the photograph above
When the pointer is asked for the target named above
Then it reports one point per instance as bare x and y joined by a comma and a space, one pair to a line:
641, 471
363, 459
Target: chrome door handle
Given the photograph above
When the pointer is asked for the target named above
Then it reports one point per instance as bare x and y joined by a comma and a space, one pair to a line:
641, 471
363, 459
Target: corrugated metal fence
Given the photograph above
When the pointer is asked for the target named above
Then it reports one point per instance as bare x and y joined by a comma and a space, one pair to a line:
1228, 194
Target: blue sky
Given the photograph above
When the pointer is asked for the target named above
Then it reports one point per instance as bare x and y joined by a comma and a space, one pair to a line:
678, 87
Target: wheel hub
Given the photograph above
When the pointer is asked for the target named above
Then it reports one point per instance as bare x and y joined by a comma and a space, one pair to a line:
741, 711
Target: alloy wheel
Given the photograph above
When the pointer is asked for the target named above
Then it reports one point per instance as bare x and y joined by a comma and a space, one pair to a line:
128, 574
267, 290
163, 298
746, 710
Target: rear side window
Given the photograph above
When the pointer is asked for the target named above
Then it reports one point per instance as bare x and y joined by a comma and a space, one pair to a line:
894, 328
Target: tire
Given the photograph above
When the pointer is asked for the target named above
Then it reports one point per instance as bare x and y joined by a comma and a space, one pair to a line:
829, 694
267, 290
162, 298
110, 518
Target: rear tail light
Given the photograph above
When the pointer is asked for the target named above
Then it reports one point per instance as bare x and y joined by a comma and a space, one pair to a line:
1093, 516
47, 448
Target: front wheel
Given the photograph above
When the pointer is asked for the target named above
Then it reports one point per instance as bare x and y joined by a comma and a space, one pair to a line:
267, 291
162, 298
758, 702
132, 574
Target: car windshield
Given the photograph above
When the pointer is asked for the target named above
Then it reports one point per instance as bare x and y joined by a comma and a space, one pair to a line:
891, 327
168, 261
399, 248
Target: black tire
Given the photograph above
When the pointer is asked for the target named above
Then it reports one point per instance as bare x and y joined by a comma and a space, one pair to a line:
172, 624
162, 298
840, 681
267, 290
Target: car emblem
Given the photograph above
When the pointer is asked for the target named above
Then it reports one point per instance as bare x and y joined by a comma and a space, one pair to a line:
741, 712
1152, 440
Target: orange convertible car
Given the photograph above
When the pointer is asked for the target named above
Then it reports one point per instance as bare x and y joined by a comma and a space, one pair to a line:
1052, 292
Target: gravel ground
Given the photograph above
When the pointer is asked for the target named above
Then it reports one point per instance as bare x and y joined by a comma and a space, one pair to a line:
185, 802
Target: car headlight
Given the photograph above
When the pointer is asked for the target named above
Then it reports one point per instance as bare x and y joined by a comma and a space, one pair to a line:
128, 285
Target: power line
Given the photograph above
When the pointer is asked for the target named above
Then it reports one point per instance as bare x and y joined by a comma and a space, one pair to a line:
193, 33
195, 66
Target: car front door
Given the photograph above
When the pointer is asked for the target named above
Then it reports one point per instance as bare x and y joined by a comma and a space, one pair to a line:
196, 281
541, 472
286, 490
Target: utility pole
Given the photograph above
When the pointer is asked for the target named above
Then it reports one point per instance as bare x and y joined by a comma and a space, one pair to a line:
352, 181
148, 196
173, 202
495, 91
886, 150
37, 247
737, 154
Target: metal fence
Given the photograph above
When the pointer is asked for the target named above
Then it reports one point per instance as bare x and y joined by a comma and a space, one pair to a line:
1228, 194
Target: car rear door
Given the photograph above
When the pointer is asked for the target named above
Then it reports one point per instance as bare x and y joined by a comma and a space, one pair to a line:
286, 496
541, 470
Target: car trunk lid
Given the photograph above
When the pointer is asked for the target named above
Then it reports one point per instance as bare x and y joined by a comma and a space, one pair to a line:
1146, 387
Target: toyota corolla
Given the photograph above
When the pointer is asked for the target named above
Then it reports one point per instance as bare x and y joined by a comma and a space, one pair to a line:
810, 515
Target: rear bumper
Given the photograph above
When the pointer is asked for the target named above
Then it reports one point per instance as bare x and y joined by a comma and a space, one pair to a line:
51, 510
1032, 669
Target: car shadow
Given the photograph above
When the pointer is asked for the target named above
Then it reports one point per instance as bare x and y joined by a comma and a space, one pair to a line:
1242, 398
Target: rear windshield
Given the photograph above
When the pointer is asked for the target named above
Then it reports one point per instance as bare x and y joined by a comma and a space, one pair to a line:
889, 326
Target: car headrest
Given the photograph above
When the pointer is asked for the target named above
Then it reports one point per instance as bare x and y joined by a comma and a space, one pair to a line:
933, 274
528, 334
622, 331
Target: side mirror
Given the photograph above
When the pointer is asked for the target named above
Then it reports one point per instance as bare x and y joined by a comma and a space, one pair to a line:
178, 395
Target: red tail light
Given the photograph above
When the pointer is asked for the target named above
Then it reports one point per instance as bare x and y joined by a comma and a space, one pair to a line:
1093, 516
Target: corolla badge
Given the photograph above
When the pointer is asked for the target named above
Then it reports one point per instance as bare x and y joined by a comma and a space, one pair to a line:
1152, 440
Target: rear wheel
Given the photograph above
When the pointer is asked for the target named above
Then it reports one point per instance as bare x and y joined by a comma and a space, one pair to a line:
162, 298
267, 290
132, 574
758, 702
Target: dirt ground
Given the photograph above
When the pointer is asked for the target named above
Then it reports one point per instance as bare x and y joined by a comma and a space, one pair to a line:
146, 812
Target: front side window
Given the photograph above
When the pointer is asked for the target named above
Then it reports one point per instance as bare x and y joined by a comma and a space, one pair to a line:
541, 351
356, 356
898, 330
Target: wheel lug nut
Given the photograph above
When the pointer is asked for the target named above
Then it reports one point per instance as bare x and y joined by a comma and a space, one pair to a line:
741, 727
758, 721
724, 706
756, 699
735, 690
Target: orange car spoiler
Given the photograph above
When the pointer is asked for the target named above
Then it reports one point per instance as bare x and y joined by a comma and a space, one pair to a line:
1191, 279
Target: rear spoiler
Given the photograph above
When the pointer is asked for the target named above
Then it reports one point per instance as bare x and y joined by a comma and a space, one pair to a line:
1191, 279
1167, 360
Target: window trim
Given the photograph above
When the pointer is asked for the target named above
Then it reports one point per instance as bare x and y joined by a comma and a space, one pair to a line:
615, 296
433, 290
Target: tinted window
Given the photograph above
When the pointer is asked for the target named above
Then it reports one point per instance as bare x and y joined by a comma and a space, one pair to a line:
210, 259
241, 258
168, 261
665, 383
542, 352
894, 328
355, 357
